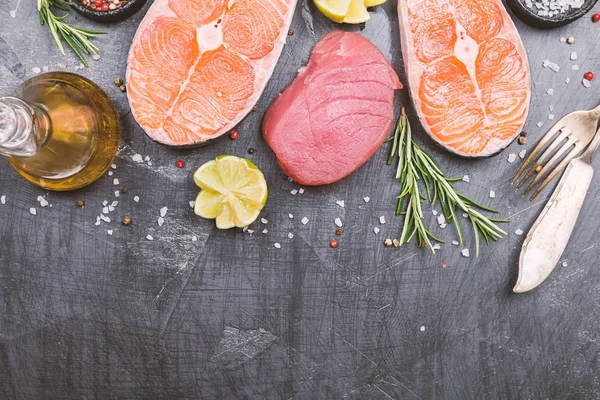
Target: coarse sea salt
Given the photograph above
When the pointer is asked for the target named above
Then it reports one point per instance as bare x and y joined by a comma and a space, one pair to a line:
3, 199
115, 182
455, 242
436, 246
434, 212
518, 232
294, 192
573, 55
341, 203
338, 222
366, 199
382, 219
33, 211
110, 232
136, 199
550, 92
441, 219
149, 237
291, 216
264, 221
290, 235
586, 83
265, 231
492, 194
466, 178
575, 67
522, 153
137, 158
512, 157
105, 203
376, 230
539, 124
465, 253
304, 221
301, 191
163, 211
551, 117
277, 245
161, 221
192, 203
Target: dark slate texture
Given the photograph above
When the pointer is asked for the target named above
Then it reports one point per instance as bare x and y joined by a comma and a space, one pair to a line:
85, 315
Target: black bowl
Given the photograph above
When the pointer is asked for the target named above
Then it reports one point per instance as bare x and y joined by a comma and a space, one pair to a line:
531, 18
118, 14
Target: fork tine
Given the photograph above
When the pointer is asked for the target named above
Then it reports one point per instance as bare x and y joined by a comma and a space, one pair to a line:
545, 155
559, 126
563, 164
565, 149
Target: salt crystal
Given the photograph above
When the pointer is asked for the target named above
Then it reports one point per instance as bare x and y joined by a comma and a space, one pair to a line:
115, 181
586, 83
294, 192
434, 212
110, 232
244, 229
115, 203
338, 222
110, 173
33, 211
382, 220
290, 235
455, 242
290, 179
277, 245
551, 117
492, 194
161, 221
136, 199
291, 216
366, 199
539, 124
522, 153
466, 178
43, 202
113, 166
36, 70
465, 215
96, 57
554, 67
3, 199
192, 203
564, 264
436, 246
150, 163
250, 231
465, 253
105, 203
97, 223
546, 63
567, 80
573, 55
163, 211
147, 158
117, 193
304, 221
551, 108
111, 208
341, 203
194, 238
575, 67
518, 232
443, 226
422, 329
149, 237
441, 219
105, 210
550, 92
137, 158
264, 221
376, 230
301, 191
512, 157
563, 39
265, 231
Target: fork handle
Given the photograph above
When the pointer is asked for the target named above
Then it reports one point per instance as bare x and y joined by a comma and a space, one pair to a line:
551, 232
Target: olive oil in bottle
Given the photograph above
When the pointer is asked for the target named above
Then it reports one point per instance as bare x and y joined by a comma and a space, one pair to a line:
60, 131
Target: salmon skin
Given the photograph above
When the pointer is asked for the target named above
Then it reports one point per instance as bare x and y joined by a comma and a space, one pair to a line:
467, 71
197, 67
337, 112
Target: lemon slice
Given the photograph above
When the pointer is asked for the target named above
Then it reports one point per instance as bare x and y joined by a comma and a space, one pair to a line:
234, 191
335, 10
357, 13
374, 3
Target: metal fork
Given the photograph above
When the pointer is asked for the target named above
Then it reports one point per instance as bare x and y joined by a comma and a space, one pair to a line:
548, 238
575, 131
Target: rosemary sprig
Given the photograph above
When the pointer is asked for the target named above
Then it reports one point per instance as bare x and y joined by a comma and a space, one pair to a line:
415, 165
77, 38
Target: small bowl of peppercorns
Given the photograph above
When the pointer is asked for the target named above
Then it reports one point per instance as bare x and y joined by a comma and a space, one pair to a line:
107, 10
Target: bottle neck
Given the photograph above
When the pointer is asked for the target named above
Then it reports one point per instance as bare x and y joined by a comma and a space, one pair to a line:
24, 127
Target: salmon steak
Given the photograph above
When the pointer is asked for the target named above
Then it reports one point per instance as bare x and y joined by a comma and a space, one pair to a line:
336, 113
467, 71
197, 67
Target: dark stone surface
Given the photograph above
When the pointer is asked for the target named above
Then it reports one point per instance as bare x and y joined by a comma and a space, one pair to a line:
85, 315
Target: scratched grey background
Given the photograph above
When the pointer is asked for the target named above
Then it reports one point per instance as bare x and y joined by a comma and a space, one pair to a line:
85, 315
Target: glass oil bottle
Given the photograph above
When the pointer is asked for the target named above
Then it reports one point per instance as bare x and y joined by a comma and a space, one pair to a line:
60, 131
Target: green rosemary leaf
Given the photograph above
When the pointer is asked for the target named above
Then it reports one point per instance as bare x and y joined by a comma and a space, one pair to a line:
481, 207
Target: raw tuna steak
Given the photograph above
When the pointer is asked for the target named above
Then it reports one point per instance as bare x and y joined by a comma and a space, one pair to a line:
467, 72
197, 67
336, 113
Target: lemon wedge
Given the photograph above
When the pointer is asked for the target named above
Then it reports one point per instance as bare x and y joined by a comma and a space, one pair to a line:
335, 10
357, 13
374, 3
234, 191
